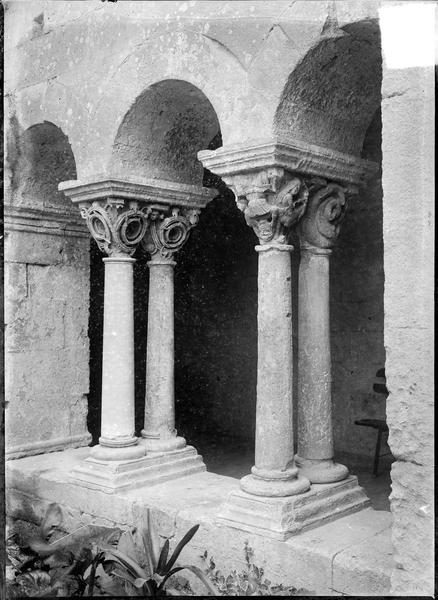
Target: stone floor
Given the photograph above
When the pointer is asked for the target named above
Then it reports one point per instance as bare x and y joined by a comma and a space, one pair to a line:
235, 460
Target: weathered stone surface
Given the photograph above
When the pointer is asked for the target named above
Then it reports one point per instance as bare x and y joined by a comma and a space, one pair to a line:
46, 342
305, 560
281, 518
412, 507
408, 208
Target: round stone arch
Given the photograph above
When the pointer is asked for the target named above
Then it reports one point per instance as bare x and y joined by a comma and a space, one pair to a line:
334, 91
39, 158
162, 132
52, 103
166, 55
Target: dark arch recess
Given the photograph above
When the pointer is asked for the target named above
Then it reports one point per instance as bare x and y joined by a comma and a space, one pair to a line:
42, 157
162, 132
333, 93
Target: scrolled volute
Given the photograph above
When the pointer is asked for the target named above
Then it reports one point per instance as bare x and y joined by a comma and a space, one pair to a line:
117, 228
326, 208
167, 234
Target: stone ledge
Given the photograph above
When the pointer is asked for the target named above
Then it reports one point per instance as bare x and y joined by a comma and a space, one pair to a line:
52, 445
47, 221
328, 560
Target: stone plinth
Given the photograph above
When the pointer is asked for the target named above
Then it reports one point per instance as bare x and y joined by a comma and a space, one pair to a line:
281, 518
156, 467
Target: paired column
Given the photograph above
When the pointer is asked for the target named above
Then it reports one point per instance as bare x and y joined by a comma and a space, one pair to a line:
120, 215
317, 231
276, 187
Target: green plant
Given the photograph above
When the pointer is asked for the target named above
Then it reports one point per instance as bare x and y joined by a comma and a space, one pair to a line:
93, 561
48, 565
151, 580
248, 582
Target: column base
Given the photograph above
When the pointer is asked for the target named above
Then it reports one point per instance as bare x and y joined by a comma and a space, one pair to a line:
321, 471
118, 475
274, 488
162, 444
281, 518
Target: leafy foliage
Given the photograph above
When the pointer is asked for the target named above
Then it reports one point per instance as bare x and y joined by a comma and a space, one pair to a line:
248, 582
46, 567
151, 579
93, 561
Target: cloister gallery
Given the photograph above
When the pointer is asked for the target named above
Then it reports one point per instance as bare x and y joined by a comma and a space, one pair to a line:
219, 228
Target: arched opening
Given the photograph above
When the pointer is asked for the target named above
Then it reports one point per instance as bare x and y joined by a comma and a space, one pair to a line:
41, 159
332, 94
357, 325
215, 280
162, 132
216, 335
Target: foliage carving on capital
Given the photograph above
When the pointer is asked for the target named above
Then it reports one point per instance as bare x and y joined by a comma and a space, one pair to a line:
272, 201
167, 233
325, 211
117, 227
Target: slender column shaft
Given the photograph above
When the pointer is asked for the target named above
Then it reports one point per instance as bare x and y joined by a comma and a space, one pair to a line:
274, 432
315, 429
118, 417
314, 359
159, 425
274, 473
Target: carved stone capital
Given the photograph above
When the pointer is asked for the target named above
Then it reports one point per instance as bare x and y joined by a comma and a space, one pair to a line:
168, 231
272, 200
122, 213
321, 222
117, 226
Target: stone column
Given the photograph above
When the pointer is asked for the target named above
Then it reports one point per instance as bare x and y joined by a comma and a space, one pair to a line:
317, 230
272, 203
117, 231
166, 236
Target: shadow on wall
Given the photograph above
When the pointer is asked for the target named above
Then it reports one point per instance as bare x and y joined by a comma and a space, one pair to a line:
357, 285
216, 325
39, 158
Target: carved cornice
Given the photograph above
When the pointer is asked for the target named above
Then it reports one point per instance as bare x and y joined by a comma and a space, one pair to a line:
296, 156
153, 192
121, 214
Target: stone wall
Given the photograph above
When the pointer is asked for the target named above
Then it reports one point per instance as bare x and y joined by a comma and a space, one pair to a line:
46, 297
408, 224
356, 306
